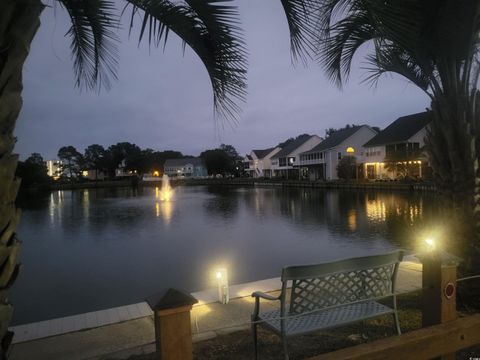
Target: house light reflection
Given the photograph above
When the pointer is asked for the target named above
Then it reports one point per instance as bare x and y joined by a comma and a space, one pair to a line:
376, 210
352, 220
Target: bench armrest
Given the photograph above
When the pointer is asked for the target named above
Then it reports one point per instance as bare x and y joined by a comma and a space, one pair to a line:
261, 295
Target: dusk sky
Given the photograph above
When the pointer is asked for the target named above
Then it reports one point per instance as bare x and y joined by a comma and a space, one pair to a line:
163, 100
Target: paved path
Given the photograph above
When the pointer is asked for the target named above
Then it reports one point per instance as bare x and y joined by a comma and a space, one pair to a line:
120, 332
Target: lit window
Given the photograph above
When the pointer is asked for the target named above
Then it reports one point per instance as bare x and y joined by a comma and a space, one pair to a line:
350, 150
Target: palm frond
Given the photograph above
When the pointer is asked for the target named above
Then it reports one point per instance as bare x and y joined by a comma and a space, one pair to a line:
93, 41
392, 59
337, 50
211, 28
302, 18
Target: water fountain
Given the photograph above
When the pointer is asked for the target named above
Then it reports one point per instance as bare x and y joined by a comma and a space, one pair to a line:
166, 192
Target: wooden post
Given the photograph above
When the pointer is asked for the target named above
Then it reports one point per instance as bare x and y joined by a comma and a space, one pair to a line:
173, 333
439, 283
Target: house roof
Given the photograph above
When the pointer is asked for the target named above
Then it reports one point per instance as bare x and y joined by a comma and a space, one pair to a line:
182, 162
249, 157
260, 154
286, 150
335, 139
400, 130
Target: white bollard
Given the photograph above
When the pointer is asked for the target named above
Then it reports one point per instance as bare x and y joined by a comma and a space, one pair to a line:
222, 282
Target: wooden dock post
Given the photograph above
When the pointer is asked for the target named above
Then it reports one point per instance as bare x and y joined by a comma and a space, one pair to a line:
439, 283
173, 333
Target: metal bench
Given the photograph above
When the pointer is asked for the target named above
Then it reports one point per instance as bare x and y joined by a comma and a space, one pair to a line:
329, 295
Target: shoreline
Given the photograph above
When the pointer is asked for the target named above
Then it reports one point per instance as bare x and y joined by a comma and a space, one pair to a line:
354, 185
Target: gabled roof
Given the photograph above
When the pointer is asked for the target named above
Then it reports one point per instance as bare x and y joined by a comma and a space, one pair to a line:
260, 154
286, 150
182, 162
249, 157
400, 130
335, 139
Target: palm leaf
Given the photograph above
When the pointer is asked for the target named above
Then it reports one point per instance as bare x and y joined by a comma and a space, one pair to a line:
389, 58
211, 29
302, 18
340, 45
93, 42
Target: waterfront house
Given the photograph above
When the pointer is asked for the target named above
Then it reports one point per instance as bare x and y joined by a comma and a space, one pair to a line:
320, 163
397, 151
259, 162
285, 163
190, 167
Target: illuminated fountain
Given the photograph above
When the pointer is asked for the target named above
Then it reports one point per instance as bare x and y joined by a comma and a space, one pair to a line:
166, 192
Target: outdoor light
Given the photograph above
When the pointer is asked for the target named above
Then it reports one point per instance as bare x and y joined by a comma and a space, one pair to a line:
430, 243
222, 283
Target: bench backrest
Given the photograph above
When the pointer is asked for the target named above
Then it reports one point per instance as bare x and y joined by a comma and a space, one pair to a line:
315, 287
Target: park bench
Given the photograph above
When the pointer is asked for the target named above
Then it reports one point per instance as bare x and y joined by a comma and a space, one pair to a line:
329, 295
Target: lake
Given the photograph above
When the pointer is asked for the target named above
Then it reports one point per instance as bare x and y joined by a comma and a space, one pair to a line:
86, 250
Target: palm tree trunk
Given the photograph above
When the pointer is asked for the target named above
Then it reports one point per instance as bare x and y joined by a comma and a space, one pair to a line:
19, 21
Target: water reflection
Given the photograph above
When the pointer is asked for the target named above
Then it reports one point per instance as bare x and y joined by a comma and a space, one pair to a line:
107, 247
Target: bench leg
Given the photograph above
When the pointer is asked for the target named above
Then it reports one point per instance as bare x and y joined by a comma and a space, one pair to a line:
397, 323
254, 332
285, 348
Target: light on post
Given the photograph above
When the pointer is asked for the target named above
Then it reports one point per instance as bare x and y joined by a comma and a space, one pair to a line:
222, 283
430, 244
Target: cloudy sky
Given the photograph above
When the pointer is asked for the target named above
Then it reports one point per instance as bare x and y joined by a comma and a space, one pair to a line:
163, 100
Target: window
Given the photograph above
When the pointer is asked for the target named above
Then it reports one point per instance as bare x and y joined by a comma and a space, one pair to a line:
321, 155
339, 155
282, 162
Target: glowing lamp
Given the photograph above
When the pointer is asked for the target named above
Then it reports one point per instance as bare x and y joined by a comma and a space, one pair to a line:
222, 282
350, 150
430, 242
156, 173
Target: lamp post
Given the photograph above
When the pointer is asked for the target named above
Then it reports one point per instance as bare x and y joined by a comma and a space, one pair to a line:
222, 283
439, 285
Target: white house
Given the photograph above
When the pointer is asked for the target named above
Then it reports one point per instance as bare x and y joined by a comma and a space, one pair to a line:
191, 167
285, 163
259, 162
397, 151
320, 163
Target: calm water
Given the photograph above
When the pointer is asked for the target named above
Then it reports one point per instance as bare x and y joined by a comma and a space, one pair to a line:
87, 250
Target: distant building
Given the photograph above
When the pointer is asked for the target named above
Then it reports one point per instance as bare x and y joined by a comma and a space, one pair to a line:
320, 163
397, 151
94, 174
54, 168
192, 168
259, 162
286, 162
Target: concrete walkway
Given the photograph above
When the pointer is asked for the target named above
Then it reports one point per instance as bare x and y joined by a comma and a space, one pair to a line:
121, 332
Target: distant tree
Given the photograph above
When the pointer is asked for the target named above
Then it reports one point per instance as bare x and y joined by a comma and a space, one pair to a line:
330, 131
230, 150
125, 152
347, 168
94, 158
72, 161
33, 171
218, 161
